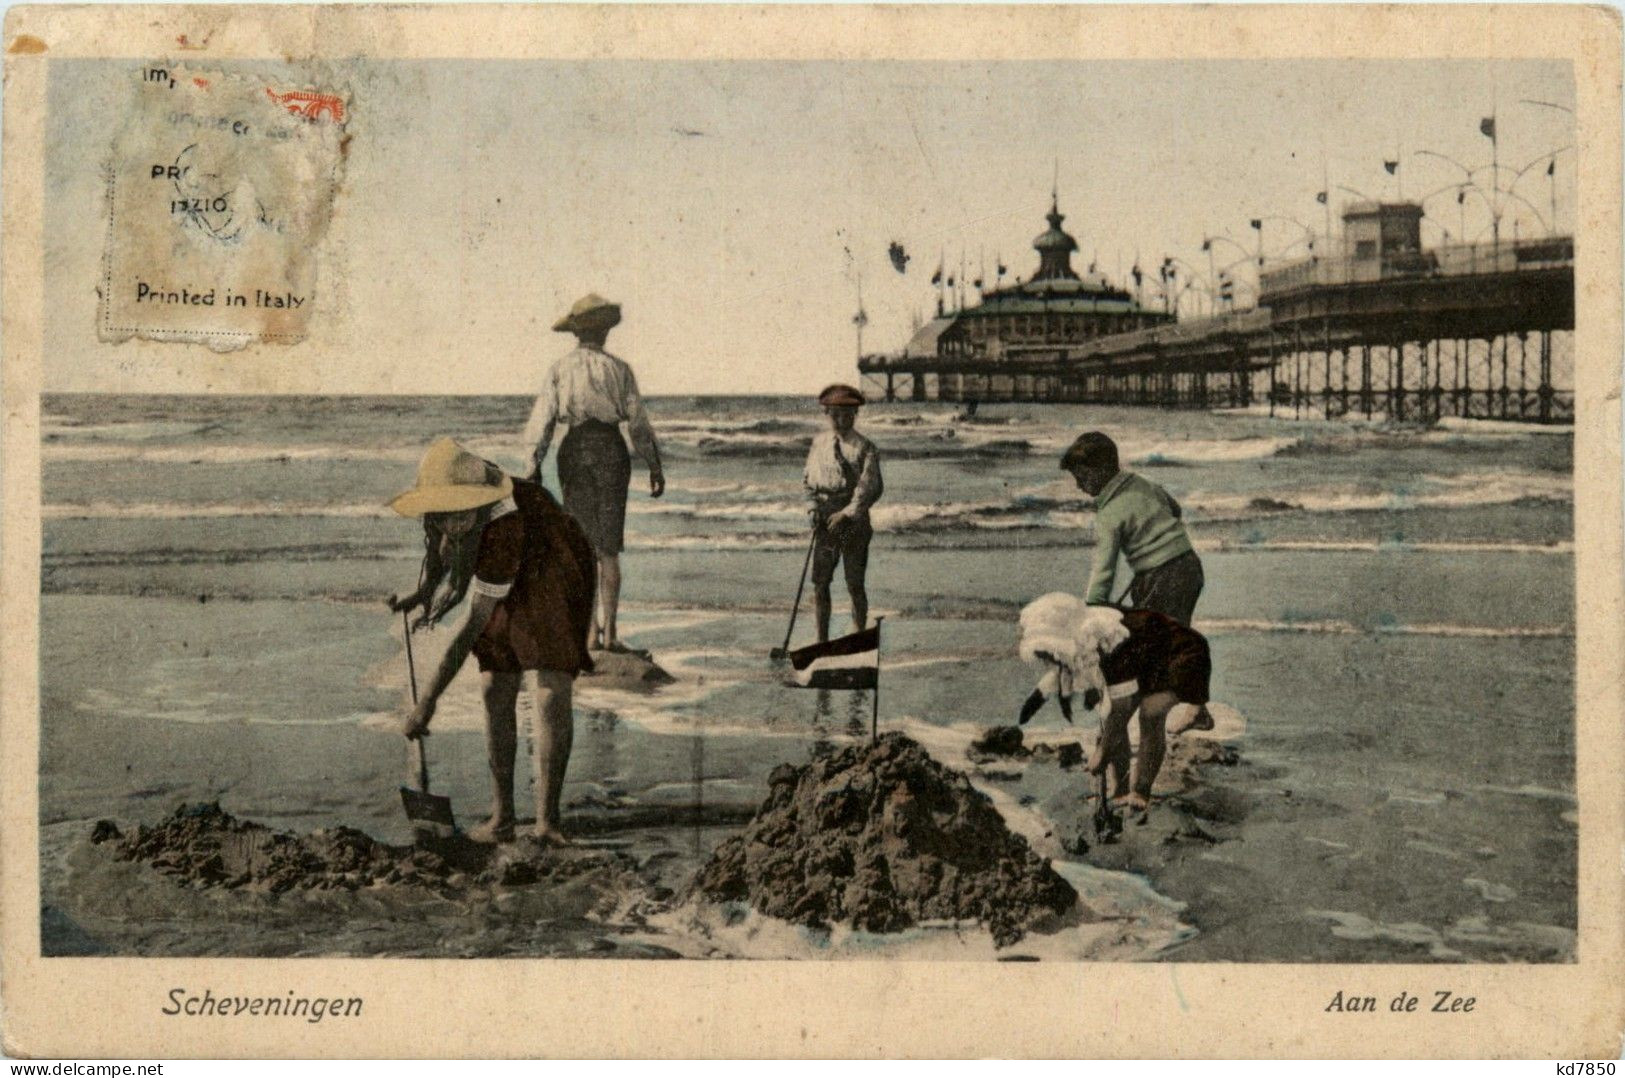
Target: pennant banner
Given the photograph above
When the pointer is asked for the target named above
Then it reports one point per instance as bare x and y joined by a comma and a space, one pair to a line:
847, 662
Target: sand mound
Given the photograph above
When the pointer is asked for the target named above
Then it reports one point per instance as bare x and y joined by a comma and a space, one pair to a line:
204, 846
882, 837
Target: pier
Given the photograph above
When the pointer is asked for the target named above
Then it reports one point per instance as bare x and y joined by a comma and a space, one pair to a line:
1385, 329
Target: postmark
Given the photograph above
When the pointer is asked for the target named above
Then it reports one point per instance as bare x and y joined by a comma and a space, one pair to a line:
219, 191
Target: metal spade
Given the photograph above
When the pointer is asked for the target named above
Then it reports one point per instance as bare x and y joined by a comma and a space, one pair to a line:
430, 813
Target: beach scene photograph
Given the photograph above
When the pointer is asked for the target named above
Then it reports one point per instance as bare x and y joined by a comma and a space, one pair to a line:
821, 510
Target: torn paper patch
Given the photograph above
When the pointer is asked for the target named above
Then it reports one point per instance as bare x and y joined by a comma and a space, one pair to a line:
219, 191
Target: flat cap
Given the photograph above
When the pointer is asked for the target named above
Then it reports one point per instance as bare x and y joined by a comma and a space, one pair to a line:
837, 395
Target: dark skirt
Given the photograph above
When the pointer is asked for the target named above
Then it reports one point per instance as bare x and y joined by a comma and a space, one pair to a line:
595, 472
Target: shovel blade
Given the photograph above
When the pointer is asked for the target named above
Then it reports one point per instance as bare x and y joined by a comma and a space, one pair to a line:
428, 812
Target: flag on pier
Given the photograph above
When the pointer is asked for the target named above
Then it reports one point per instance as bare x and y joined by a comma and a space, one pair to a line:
1257, 223
899, 257
847, 662
1486, 127
1391, 166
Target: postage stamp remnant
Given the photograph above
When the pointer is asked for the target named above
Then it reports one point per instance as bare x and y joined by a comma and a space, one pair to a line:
219, 190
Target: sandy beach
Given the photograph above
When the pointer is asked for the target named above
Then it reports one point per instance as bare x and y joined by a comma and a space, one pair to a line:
1390, 611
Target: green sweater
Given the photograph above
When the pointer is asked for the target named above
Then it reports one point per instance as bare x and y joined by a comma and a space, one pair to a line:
1138, 519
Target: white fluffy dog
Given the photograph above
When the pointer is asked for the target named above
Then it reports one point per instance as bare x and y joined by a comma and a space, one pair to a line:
1066, 638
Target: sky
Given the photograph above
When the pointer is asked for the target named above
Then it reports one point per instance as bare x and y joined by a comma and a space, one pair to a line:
732, 208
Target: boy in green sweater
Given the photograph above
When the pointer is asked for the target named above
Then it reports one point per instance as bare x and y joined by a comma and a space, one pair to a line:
1138, 519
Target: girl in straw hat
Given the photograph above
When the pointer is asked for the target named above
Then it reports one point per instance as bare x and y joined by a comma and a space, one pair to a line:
528, 570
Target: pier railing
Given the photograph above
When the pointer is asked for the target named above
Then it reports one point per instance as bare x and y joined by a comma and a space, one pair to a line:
1448, 260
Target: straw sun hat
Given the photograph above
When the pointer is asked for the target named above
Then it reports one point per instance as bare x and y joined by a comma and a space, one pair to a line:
450, 480
590, 312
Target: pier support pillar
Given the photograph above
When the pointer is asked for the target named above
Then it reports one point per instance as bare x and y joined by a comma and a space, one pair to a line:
1365, 380
1545, 391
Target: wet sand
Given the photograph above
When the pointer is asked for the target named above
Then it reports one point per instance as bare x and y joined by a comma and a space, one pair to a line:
1345, 831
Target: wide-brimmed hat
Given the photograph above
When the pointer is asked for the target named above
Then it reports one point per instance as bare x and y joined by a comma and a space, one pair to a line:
840, 396
590, 312
450, 480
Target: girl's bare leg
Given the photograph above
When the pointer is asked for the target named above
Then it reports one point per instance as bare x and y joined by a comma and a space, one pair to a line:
1153, 745
555, 730
609, 599
1112, 750
501, 692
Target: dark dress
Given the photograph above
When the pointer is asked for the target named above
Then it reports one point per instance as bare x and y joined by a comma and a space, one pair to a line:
544, 621
1161, 655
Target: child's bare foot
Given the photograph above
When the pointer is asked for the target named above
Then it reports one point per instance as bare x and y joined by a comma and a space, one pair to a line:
493, 830
1133, 802
1192, 719
551, 836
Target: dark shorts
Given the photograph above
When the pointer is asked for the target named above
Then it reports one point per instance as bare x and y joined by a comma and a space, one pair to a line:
848, 544
1161, 655
1171, 588
595, 472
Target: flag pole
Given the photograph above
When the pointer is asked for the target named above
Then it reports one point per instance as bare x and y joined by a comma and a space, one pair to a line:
874, 716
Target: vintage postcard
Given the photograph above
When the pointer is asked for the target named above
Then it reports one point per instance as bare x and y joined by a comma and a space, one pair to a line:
772, 531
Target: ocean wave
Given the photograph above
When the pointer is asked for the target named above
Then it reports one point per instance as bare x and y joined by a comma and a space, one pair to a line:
97, 452
178, 555
1194, 451
1422, 492
107, 452
1384, 545
763, 439
56, 428
680, 428
210, 510
726, 522
1338, 627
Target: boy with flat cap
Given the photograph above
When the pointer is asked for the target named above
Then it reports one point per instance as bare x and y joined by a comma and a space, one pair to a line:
842, 480
1141, 521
